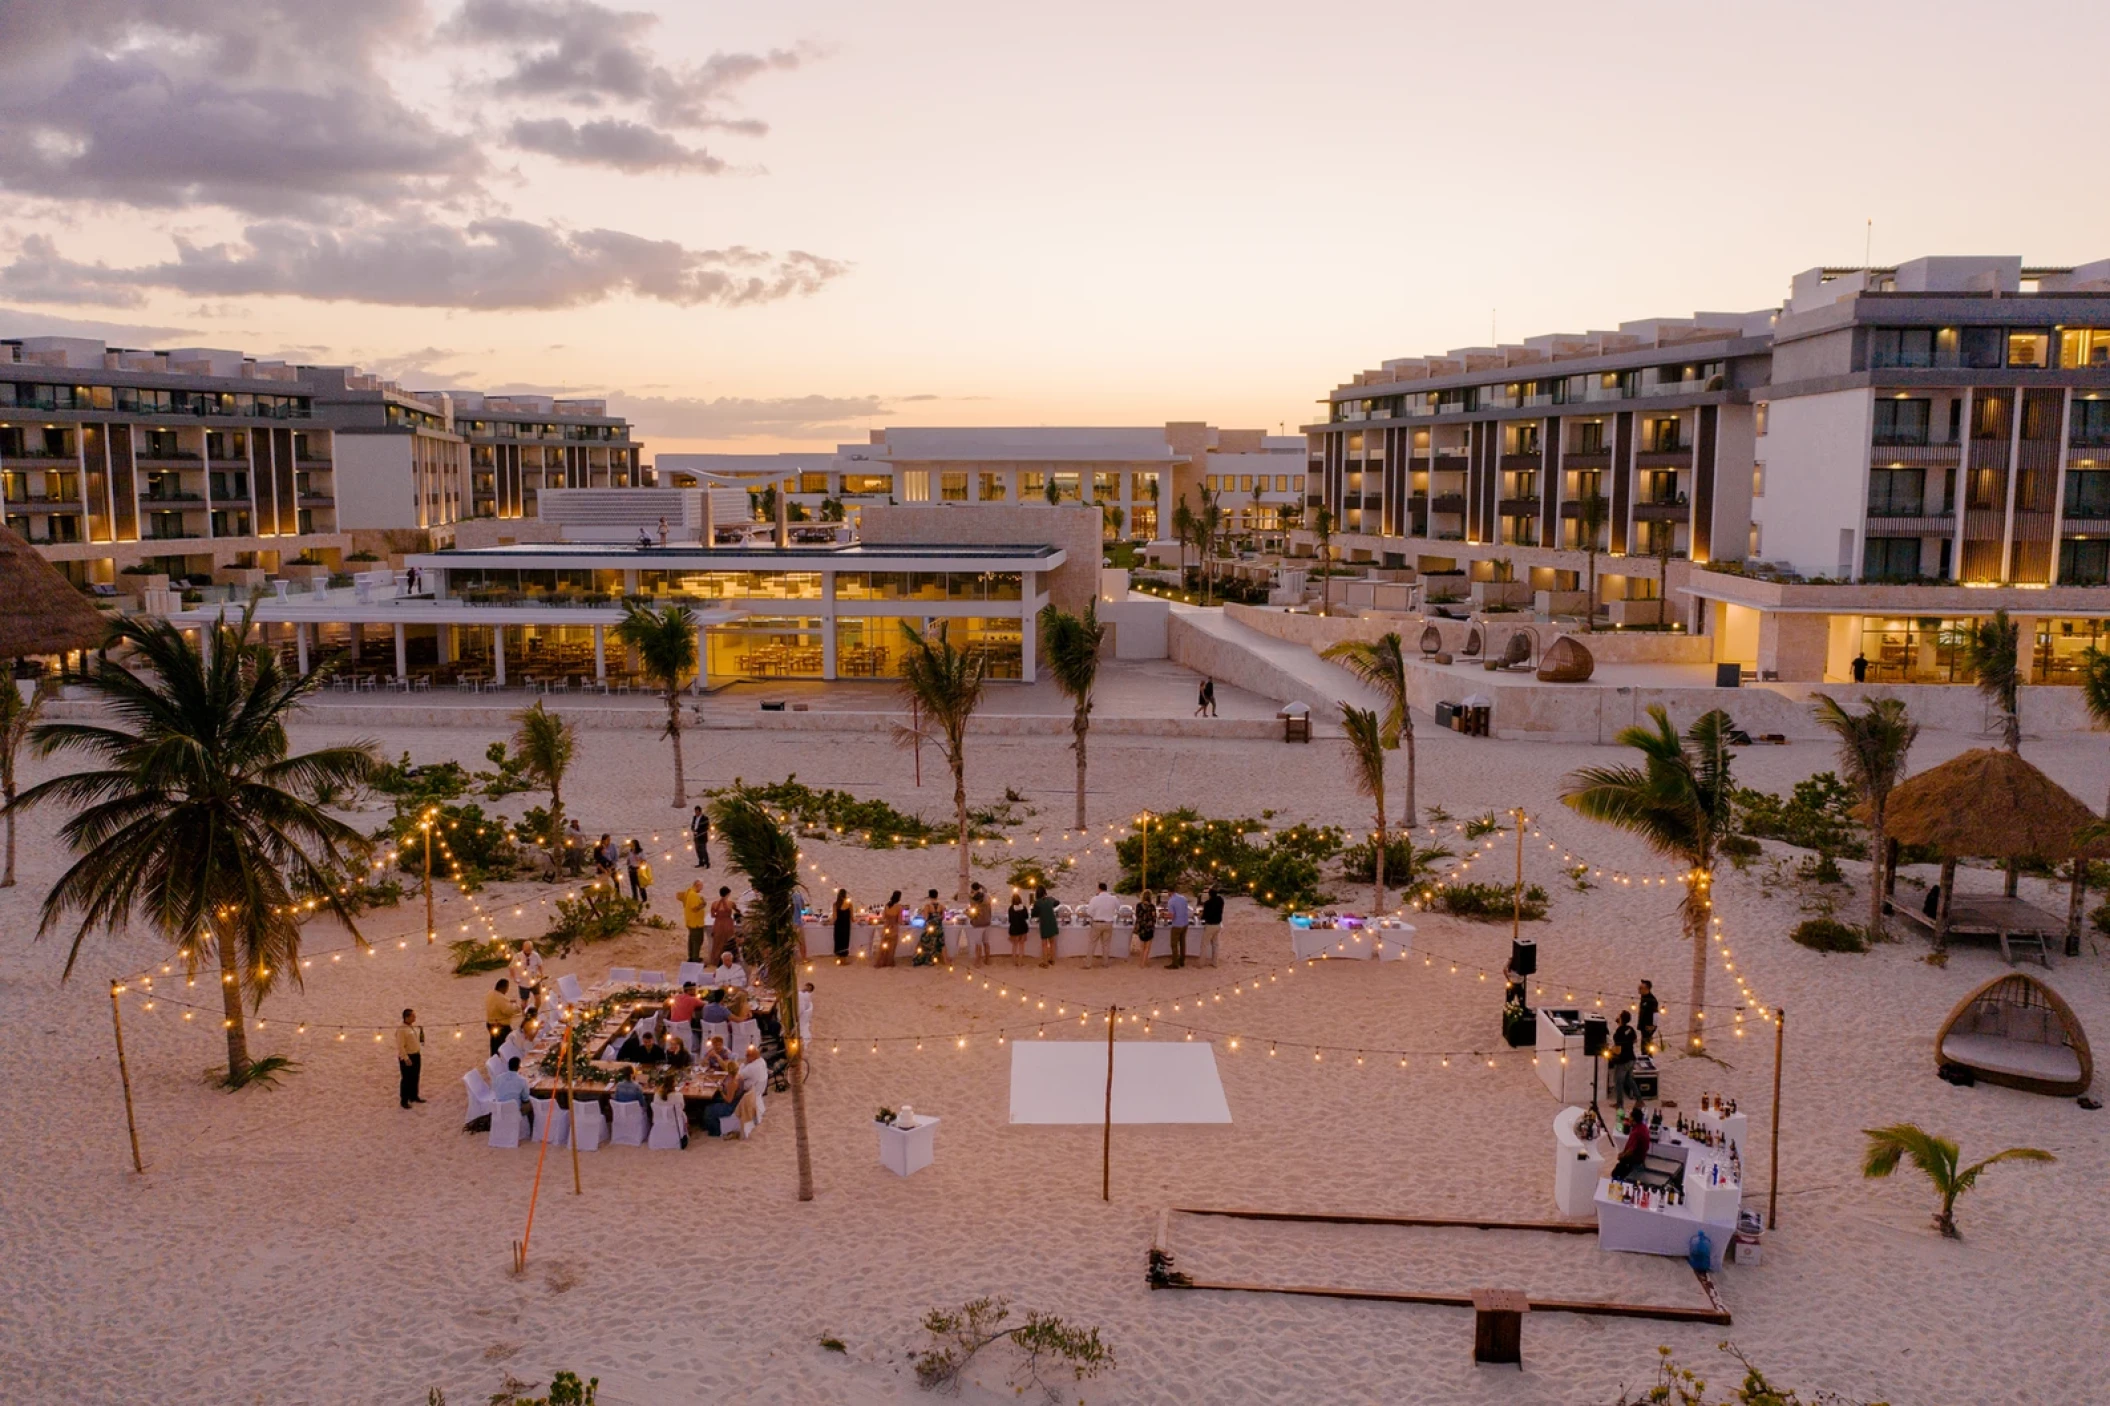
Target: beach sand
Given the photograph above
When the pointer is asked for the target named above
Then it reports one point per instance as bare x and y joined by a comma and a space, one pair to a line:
317, 1244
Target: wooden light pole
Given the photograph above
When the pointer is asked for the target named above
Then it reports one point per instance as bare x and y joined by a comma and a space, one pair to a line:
124, 1074
1516, 910
1106, 1141
430, 930
571, 1097
1780, 1035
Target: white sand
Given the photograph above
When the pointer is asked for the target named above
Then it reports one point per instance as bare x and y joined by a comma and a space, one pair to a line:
319, 1244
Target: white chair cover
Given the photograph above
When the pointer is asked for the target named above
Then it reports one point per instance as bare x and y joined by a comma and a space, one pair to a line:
552, 1124
693, 971
721, 1030
589, 1124
632, 1123
669, 1121
516, 1044
745, 1033
652, 978
505, 1123
622, 976
479, 1095
495, 1065
568, 988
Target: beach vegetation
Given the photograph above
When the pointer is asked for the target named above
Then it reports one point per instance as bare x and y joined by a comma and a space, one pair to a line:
474, 955
1873, 744
1407, 864
1818, 814
837, 815
1677, 1385
1047, 1346
1990, 652
594, 916
1280, 868
1935, 1158
1488, 902
194, 817
544, 745
1829, 935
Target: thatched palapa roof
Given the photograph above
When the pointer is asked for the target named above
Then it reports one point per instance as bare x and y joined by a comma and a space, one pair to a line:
40, 611
1988, 804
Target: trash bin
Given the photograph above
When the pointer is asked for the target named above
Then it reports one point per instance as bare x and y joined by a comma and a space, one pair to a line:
1728, 675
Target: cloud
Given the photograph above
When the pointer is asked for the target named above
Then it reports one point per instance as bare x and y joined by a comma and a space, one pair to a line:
170, 103
738, 417
626, 146
487, 265
17, 322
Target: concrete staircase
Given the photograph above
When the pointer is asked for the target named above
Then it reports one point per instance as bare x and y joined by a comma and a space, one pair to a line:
1209, 642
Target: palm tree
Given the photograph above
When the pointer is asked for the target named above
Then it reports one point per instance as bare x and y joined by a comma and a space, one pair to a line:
1070, 644
1872, 748
1935, 1158
1991, 649
545, 743
1210, 522
1679, 801
769, 857
196, 818
1114, 517
1366, 769
1183, 533
944, 683
665, 641
1590, 517
1382, 664
1322, 529
17, 716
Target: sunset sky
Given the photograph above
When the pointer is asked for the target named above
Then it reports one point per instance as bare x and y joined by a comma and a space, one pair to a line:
760, 226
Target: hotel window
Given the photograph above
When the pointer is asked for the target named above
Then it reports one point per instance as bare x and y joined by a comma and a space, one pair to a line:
1282, 483
1758, 418
1900, 347
1758, 480
915, 486
1245, 483
1069, 488
1891, 559
952, 486
1896, 492
1980, 347
2091, 422
867, 483
813, 483
2088, 493
2029, 350
1032, 486
2061, 645
1589, 438
1106, 487
1902, 422
1142, 488
992, 487
2083, 347
1210, 483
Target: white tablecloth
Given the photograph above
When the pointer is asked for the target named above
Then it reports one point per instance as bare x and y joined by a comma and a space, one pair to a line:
1071, 940
1385, 944
1577, 1166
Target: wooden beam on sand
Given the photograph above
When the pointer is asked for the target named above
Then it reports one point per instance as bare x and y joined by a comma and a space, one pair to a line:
1555, 1227
1593, 1307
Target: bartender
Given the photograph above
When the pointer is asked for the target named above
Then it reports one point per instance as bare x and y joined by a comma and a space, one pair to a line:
1635, 1152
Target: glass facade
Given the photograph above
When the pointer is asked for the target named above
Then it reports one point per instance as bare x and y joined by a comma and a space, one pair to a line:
929, 585
765, 647
731, 585
1921, 650
2060, 644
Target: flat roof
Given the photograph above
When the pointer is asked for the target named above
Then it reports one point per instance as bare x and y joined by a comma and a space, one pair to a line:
832, 556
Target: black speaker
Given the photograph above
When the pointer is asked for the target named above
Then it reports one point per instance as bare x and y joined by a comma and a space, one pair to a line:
1523, 956
1594, 1035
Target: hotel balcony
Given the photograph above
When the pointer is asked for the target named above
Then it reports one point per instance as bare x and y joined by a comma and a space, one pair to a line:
1453, 503
1662, 512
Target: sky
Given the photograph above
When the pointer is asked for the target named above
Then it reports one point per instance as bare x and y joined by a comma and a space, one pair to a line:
777, 226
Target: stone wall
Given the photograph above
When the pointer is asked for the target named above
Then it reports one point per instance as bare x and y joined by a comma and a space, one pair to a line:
1077, 530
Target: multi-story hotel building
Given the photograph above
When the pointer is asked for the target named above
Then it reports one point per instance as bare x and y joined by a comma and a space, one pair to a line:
195, 460
1861, 472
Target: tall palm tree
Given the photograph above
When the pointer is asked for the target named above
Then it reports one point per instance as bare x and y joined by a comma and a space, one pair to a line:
1182, 533
1211, 523
1935, 1158
1382, 664
1991, 650
1070, 644
1872, 748
944, 683
545, 744
665, 641
1679, 801
17, 716
1366, 769
769, 857
1591, 515
195, 818
1114, 516
1322, 529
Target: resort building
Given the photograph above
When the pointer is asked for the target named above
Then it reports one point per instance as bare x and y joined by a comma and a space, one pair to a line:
1859, 473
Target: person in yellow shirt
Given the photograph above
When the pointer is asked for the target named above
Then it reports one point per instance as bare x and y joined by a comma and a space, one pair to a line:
410, 1058
696, 917
499, 1010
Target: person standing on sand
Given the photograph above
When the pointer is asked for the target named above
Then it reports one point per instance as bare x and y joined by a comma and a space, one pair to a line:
639, 871
930, 948
889, 930
1212, 923
1178, 917
978, 914
499, 1010
1018, 922
1621, 1072
1146, 929
1201, 699
700, 837
1102, 910
725, 921
410, 1058
1050, 925
1646, 1007
845, 914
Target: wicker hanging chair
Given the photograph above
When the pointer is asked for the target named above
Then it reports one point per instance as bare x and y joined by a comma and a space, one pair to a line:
1431, 641
1567, 661
2015, 1030
1472, 644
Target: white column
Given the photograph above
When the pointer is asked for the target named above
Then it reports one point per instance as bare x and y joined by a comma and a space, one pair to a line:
402, 652
447, 654
1027, 645
600, 653
703, 654
498, 655
300, 646
828, 625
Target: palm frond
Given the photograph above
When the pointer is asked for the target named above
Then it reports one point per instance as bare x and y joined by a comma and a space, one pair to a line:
1366, 752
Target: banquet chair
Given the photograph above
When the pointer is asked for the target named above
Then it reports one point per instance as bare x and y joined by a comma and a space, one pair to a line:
745, 1033
495, 1065
652, 978
622, 976
505, 1123
720, 1029
480, 1101
589, 1125
516, 1046
632, 1124
693, 971
568, 988
669, 1122
550, 1121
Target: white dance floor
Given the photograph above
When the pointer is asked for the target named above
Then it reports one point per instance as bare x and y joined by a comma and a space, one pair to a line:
1064, 1081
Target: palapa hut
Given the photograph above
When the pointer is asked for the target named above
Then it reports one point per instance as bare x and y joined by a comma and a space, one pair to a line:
1988, 804
40, 611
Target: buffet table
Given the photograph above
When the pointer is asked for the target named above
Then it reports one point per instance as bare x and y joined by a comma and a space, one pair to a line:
1712, 1197
1073, 938
1387, 940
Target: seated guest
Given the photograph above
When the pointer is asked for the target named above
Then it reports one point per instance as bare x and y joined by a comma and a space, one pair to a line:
738, 1006
627, 1089
714, 1011
754, 1072
729, 972
718, 1059
677, 1053
683, 1004
1634, 1154
510, 1085
640, 1048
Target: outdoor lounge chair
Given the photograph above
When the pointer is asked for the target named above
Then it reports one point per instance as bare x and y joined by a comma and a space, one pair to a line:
1472, 644
2015, 1030
1567, 661
1431, 641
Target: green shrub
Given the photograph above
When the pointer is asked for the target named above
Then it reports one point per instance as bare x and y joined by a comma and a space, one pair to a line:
591, 917
874, 824
1489, 902
1405, 864
1817, 814
481, 845
472, 955
1740, 850
1829, 935
1280, 868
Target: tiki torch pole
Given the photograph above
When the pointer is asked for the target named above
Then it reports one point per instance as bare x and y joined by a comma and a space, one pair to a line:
124, 1074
